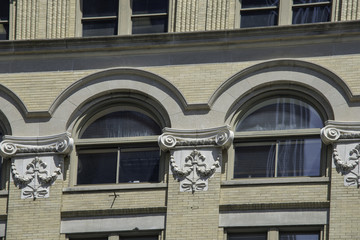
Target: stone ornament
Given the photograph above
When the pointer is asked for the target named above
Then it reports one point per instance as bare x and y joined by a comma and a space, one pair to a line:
194, 172
36, 178
36, 162
195, 155
61, 144
345, 140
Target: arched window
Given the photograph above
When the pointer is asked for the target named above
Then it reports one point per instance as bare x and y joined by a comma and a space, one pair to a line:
118, 147
278, 137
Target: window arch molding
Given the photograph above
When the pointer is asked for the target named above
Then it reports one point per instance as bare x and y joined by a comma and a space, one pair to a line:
271, 139
115, 103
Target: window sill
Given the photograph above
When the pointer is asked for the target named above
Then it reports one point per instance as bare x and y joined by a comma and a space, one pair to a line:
131, 186
4, 193
271, 181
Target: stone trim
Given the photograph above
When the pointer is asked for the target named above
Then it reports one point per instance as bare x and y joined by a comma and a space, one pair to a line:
112, 212
272, 206
115, 187
55, 144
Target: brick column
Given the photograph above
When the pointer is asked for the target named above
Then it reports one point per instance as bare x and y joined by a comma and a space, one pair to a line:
36, 183
194, 181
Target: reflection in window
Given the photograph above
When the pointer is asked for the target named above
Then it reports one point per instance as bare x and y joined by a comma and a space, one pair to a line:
280, 156
259, 13
4, 20
247, 236
125, 162
311, 11
299, 236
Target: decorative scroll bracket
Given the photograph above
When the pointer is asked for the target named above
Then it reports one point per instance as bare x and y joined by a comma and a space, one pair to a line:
345, 140
36, 163
195, 154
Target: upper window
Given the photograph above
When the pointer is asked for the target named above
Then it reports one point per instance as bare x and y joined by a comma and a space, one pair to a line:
280, 235
278, 137
260, 13
118, 147
4, 20
120, 17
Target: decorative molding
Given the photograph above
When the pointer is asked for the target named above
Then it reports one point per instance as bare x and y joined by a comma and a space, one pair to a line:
36, 161
57, 144
36, 180
172, 138
194, 172
345, 140
195, 154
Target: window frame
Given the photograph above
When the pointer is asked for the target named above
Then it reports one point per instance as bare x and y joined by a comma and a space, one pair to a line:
124, 18
245, 137
10, 22
114, 144
285, 12
273, 233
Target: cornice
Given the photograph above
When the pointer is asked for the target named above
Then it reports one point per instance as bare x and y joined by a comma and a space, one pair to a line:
340, 131
54, 144
166, 41
171, 138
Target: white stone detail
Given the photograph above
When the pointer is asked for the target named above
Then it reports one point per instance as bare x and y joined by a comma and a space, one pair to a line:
345, 140
195, 154
36, 162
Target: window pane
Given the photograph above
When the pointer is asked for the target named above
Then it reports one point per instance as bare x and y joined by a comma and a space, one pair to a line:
247, 236
259, 18
94, 168
299, 157
96, 8
103, 238
4, 9
299, 236
140, 238
254, 161
258, 3
311, 14
99, 28
141, 166
280, 114
122, 124
141, 25
149, 6
309, 1
4, 31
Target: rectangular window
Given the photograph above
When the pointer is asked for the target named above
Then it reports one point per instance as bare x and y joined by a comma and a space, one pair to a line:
119, 17
122, 165
248, 236
299, 236
261, 13
278, 234
280, 158
4, 20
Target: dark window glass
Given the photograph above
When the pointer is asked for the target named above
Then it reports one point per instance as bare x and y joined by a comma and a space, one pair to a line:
4, 31
255, 161
99, 28
155, 24
311, 14
293, 157
309, 1
259, 18
142, 166
140, 238
258, 3
299, 158
97, 168
280, 114
4, 10
299, 236
102, 238
96, 8
122, 124
149, 6
247, 236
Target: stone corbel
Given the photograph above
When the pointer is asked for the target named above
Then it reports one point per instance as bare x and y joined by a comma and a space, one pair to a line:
36, 162
345, 140
195, 155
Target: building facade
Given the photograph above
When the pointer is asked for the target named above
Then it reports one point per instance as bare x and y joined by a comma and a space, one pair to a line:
179, 119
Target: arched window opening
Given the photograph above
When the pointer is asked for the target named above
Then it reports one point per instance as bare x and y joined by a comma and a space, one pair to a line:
283, 140
119, 147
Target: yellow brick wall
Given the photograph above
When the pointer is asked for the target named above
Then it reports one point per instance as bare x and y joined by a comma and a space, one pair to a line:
289, 193
141, 198
193, 215
30, 219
